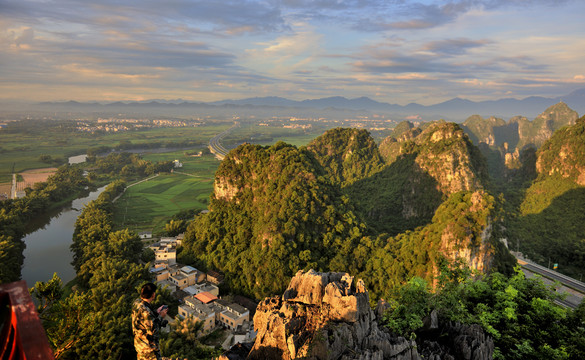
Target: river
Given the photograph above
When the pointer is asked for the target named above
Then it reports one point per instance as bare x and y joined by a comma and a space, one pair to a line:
47, 247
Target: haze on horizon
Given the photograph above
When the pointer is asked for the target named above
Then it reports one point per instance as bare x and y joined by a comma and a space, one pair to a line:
393, 51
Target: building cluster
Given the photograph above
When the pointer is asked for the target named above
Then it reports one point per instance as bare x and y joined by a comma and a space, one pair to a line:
198, 293
115, 125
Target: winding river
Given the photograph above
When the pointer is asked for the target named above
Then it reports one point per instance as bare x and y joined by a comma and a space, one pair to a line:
47, 246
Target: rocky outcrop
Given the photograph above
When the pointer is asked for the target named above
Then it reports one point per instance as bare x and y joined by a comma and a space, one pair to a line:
519, 132
324, 316
444, 152
327, 316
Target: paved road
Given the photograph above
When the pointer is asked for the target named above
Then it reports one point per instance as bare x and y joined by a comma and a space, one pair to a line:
574, 289
215, 145
563, 279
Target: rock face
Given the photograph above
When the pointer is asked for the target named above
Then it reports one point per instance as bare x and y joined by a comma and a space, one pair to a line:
519, 132
324, 316
327, 316
444, 152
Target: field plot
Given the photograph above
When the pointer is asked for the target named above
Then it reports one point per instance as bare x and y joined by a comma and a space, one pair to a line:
37, 175
22, 150
148, 205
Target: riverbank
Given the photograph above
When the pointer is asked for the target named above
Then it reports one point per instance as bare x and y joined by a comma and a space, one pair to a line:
48, 247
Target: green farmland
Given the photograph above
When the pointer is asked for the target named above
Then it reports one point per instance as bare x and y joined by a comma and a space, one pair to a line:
150, 204
21, 148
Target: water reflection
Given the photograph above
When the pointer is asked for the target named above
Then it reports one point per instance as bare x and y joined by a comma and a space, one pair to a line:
47, 244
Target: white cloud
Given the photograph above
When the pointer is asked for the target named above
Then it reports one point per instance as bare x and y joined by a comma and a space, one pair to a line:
287, 53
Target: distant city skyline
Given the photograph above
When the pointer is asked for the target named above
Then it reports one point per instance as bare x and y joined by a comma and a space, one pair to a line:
392, 51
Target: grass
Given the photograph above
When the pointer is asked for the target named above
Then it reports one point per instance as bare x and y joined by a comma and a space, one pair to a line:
149, 205
21, 151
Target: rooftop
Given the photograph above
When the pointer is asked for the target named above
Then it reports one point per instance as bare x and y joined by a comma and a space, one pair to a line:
205, 297
238, 308
179, 277
188, 269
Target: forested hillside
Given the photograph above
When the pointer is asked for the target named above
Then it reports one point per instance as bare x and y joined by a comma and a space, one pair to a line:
277, 209
347, 155
550, 226
423, 168
274, 211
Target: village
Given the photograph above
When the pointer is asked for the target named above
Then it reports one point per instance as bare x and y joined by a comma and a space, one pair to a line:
199, 294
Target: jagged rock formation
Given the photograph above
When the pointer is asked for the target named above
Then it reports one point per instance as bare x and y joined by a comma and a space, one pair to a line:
324, 316
519, 132
327, 316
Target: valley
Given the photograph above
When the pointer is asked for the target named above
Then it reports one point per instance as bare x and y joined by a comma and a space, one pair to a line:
421, 203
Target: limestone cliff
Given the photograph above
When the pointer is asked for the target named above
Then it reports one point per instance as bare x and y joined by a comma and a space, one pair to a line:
519, 132
327, 316
444, 152
323, 316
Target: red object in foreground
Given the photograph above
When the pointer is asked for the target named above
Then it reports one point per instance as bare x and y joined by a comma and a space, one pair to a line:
21, 333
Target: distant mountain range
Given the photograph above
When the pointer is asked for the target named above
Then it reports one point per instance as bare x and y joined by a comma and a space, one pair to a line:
456, 109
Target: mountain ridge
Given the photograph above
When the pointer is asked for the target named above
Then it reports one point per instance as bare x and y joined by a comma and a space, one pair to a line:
457, 108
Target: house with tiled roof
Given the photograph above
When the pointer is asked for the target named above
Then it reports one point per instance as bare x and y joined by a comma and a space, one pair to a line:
205, 297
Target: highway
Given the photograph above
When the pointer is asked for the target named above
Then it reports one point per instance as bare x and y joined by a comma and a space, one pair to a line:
215, 145
574, 289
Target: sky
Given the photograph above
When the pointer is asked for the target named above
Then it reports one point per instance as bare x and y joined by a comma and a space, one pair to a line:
394, 51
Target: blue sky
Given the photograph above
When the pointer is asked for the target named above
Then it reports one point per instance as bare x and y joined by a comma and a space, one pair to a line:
394, 51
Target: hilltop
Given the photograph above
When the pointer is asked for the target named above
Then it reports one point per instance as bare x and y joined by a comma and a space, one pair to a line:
423, 168
519, 132
273, 211
509, 146
330, 205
